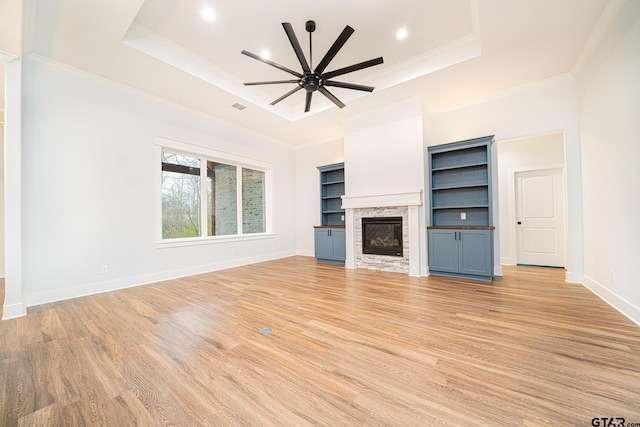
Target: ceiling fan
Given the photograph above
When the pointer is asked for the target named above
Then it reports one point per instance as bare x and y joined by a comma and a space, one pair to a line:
315, 79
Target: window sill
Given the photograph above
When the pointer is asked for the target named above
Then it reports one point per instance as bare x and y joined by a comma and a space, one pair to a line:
212, 240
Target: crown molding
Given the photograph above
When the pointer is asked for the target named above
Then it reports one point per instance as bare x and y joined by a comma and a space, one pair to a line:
6, 56
596, 35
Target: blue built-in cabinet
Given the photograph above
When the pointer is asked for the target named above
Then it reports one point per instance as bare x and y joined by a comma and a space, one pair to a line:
329, 237
330, 244
460, 234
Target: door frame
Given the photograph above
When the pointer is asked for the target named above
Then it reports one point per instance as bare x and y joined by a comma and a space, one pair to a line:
513, 229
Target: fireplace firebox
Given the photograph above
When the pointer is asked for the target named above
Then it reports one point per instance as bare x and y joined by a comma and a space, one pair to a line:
382, 236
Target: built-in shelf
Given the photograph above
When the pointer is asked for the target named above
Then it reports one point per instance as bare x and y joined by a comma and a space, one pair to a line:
460, 237
452, 187
330, 235
460, 207
331, 192
470, 165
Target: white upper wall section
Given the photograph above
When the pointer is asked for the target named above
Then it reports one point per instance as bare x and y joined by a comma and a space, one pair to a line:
384, 150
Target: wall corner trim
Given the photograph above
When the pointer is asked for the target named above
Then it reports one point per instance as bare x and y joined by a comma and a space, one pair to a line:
572, 277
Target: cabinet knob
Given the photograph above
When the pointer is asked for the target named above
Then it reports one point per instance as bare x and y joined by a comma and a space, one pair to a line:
519, 223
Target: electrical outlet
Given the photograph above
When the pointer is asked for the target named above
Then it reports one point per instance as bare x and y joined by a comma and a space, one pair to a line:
341, 217
613, 276
104, 269
463, 216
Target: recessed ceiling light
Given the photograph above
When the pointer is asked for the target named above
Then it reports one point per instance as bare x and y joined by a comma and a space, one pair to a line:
208, 14
265, 54
401, 34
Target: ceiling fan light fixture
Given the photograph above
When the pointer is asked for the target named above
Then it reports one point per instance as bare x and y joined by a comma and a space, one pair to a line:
265, 54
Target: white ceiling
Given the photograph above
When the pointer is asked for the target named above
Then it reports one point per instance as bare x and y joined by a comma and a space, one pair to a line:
456, 51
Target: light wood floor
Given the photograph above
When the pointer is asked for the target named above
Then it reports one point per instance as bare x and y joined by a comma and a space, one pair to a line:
347, 347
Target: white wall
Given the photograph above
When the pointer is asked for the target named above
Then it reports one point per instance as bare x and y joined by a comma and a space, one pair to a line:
384, 150
90, 172
549, 106
518, 154
609, 106
1, 169
1, 193
308, 158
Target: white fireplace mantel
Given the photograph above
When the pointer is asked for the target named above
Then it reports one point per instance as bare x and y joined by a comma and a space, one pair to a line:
404, 198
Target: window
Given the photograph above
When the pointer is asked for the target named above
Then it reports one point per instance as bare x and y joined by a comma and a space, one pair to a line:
222, 197
205, 195
253, 201
180, 196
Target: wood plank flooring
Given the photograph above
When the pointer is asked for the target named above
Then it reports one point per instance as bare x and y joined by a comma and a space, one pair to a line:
346, 347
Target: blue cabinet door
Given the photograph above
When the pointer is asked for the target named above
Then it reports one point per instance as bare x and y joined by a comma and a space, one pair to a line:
330, 245
443, 250
323, 243
461, 253
475, 252
338, 244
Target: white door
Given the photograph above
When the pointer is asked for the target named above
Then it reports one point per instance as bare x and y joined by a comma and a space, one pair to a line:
540, 216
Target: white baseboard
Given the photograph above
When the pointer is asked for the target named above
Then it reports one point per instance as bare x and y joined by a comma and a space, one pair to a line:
13, 310
129, 282
306, 253
615, 301
507, 261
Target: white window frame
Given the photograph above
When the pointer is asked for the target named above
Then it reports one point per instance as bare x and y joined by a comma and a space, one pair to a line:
208, 154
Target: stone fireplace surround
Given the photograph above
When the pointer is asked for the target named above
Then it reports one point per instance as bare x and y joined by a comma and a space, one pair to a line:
404, 204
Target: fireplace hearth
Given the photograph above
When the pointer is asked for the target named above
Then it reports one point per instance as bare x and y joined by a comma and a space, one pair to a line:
382, 236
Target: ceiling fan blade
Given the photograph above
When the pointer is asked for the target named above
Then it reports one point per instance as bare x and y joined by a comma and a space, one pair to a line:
296, 46
329, 95
352, 68
349, 86
291, 92
275, 82
333, 50
273, 64
307, 102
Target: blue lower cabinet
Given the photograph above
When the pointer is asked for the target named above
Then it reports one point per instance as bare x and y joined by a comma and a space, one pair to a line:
330, 245
461, 253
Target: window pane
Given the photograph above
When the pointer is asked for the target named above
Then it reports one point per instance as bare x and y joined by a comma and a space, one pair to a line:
180, 196
180, 159
253, 216
222, 203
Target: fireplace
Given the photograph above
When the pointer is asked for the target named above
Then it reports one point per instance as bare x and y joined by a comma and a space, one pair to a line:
382, 236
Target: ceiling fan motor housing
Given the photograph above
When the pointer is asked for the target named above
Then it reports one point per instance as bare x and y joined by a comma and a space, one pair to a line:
311, 82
